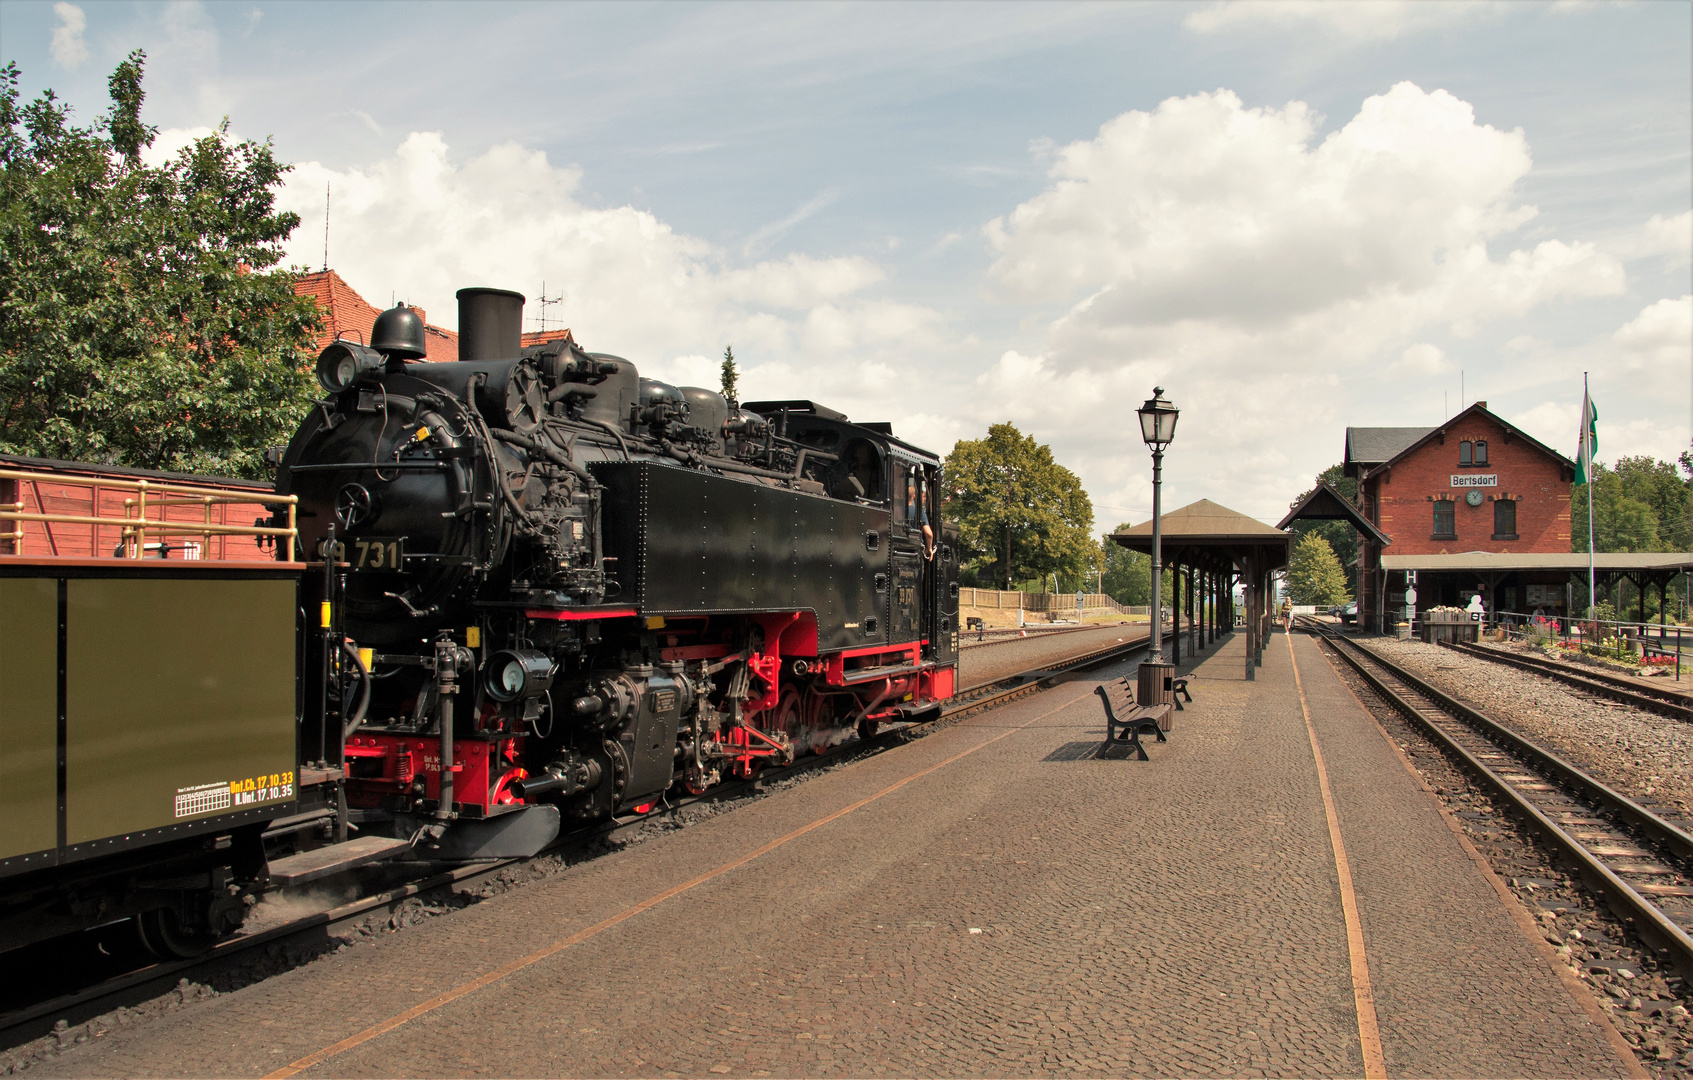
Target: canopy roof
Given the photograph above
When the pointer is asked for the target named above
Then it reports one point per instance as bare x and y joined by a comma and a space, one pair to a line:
1326, 504
1205, 524
1498, 562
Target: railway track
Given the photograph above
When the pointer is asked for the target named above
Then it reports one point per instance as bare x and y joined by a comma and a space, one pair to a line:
315, 929
1627, 853
1671, 703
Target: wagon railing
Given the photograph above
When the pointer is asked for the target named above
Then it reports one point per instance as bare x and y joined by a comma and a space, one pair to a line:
146, 512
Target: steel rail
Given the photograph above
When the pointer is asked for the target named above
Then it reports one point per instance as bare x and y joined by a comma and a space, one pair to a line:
1650, 922
1015, 635
91, 1001
1661, 702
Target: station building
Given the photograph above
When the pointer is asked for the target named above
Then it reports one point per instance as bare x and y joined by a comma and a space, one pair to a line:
1472, 506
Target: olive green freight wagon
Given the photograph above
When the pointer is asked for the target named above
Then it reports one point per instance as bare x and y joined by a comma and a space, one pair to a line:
141, 702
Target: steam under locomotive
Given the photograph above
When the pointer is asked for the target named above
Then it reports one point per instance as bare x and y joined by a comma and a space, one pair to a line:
580, 588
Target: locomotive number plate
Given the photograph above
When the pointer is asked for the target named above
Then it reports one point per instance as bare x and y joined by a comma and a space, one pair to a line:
377, 552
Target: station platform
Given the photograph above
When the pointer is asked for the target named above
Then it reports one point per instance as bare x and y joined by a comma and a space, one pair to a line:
990, 900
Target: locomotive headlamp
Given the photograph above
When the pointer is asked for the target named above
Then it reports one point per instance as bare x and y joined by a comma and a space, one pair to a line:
343, 362
516, 673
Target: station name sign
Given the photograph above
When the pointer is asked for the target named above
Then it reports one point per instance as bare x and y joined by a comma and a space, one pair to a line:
1475, 481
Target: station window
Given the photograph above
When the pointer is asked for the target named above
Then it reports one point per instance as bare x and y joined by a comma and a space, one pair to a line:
1504, 519
1464, 449
1445, 518
1481, 452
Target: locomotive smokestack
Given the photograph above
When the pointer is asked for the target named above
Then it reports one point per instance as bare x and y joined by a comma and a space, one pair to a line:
490, 324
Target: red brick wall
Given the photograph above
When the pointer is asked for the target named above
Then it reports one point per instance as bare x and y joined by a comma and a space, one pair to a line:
1400, 501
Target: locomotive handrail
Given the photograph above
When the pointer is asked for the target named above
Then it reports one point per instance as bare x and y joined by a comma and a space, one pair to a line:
157, 494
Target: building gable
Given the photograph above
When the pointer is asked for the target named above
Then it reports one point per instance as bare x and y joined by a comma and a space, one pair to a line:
1441, 493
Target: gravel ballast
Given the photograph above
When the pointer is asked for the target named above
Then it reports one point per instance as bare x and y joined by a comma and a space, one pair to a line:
1648, 757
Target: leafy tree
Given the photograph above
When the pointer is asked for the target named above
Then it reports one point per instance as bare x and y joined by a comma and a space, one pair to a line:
141, 320
1021, 515
1640, 505
1342, 538
1655, 483
1128, 574
1314, 574
731, 377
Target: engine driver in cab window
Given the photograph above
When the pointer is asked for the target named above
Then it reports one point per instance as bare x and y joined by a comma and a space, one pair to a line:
915, 510
923, 518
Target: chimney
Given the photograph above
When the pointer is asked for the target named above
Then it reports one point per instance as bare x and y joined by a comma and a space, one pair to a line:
490, 324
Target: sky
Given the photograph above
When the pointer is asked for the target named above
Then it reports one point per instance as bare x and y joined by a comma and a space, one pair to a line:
1293, 216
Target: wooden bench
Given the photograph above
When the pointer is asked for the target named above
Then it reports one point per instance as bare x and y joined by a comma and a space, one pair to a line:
1126, 722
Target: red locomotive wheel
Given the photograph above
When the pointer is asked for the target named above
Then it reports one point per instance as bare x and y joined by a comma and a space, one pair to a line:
788, 724
820, 721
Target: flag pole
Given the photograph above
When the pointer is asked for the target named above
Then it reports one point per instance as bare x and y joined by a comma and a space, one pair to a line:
1587, 455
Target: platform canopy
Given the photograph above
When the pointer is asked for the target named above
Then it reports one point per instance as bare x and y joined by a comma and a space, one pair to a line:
1215, 530
1613, 562
1326, 504
1217, 544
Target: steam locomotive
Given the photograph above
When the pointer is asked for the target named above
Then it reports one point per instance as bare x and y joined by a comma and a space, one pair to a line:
554, 590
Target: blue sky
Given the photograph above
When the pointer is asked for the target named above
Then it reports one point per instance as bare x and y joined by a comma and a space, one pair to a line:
1294, 216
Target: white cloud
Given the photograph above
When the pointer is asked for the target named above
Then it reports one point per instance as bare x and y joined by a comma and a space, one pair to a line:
169, 142
1658, 341
1255, 269
1671, 237
423, 223
68, 48
1420, 359
1554, 423
1620, 435
1357, 20
1207, 213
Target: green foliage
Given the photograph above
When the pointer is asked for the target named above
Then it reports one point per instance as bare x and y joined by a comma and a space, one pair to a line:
1006, 490
1128, 574
141, 320
1639, 505
731, 377
1342, 538
1314, 575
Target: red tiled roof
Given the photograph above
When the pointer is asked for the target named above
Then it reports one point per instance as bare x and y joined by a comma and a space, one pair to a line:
346, 312
542, 337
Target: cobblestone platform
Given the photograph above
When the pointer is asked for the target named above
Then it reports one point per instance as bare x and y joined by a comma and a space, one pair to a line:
991, 900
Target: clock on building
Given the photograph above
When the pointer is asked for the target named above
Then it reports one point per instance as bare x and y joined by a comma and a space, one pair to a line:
1473, 498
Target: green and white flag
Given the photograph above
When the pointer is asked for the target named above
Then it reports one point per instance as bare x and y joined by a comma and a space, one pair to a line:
1588, 440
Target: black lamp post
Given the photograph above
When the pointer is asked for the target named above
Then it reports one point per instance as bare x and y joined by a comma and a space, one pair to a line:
1158, 429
